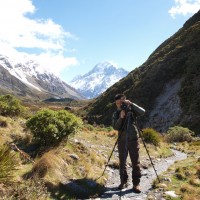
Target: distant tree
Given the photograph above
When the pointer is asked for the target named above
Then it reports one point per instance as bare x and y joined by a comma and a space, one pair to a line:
10, 106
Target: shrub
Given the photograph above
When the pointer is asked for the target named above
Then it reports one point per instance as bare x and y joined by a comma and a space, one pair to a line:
50, 127
90, 127
10, 106
109, 128
8, 164
179, 134
151, 136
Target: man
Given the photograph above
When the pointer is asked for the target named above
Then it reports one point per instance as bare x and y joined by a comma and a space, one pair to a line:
124, 120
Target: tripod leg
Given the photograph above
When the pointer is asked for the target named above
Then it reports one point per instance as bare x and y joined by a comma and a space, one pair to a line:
109, 158
148, 153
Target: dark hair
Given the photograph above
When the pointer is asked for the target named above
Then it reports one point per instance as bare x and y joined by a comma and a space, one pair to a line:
119, 96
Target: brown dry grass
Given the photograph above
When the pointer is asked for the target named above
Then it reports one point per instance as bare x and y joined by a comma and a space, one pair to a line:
50, 166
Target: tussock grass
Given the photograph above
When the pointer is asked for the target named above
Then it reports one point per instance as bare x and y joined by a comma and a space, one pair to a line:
8, 164
50, 165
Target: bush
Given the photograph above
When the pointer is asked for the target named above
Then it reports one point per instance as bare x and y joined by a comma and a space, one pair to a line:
109, 128
8, 164
10, 106
179, 134
50, 127
90, 127
151, 136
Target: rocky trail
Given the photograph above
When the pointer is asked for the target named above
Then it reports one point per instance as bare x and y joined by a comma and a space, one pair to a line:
148, 175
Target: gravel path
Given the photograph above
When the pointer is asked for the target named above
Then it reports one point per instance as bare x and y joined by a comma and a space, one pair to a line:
148, 175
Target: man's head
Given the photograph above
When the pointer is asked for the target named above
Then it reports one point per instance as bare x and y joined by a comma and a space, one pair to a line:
119, 98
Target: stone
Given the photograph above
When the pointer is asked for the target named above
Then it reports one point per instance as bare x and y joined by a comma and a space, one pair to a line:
74, 156
168, 179
171, 193
162, 185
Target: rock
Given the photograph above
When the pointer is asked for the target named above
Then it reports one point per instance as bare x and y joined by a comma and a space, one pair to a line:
167, 179
110, 170
150, 197
76, 141
162, 185
115, 196
74, 156
171, 193
145, 166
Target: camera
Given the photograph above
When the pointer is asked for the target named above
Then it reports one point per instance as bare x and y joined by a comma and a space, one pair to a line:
125, 107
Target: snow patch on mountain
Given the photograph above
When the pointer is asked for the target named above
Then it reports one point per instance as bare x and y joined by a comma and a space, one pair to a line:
96, 81
36, 78
21, 70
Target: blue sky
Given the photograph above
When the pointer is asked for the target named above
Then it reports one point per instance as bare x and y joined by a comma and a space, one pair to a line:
69, 37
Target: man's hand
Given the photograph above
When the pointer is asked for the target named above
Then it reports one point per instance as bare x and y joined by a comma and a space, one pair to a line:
128, 102
122, 114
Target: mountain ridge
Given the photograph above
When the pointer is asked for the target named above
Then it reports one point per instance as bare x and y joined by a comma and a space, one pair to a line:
29, 80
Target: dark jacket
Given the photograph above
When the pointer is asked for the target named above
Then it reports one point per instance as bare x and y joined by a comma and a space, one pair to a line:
128, 124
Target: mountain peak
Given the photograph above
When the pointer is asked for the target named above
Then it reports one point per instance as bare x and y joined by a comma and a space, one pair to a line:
104, 65
97, 80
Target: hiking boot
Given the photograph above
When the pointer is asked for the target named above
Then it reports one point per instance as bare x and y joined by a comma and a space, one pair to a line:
123, 185
136, 188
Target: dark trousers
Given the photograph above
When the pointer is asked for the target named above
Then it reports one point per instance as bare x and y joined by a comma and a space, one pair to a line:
132, 149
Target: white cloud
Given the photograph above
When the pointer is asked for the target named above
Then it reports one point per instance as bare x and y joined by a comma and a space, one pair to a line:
57, 62
20, 31
185, 7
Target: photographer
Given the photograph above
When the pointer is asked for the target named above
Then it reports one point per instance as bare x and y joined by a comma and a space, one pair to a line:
124, 120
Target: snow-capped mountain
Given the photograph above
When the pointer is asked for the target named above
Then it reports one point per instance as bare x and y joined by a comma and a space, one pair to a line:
28, 79
96, 81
